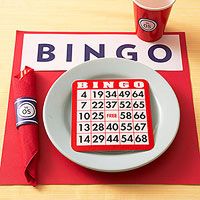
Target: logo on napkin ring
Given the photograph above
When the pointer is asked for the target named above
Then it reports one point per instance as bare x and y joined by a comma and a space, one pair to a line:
25, 111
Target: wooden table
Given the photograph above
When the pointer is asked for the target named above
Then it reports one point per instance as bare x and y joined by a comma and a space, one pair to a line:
91, 15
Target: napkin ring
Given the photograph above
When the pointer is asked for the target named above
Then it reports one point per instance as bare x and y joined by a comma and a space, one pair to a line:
25, 109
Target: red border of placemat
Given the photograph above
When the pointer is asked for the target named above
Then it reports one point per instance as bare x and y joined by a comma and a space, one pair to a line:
84, 176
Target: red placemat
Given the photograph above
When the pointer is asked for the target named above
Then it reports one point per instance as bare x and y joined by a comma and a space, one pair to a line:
180, 164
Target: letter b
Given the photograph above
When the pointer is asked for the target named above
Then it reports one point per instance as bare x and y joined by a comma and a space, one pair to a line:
41, 52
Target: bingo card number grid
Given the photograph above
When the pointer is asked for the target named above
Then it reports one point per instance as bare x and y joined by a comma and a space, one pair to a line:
110, 115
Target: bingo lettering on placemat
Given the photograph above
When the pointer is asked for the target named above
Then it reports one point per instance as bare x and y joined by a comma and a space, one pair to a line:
111, 115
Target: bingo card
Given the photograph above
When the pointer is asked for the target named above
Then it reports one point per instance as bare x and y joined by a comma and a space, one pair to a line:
110, 115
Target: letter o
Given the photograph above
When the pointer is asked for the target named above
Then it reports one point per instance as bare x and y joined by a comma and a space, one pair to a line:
160, 46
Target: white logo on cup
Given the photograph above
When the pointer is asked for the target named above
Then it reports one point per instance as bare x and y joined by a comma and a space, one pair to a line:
147, 24
26, 110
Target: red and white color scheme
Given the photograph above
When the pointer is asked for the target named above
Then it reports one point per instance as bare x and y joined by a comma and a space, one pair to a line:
110, 115
178, 165
151, 18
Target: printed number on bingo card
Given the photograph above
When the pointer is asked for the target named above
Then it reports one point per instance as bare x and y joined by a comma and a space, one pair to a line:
111, 115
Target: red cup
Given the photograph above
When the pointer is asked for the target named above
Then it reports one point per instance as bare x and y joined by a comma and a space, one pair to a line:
151, 18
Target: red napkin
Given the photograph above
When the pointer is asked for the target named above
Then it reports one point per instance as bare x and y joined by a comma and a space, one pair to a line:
26, 121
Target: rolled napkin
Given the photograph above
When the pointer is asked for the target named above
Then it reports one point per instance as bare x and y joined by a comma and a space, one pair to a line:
26, 121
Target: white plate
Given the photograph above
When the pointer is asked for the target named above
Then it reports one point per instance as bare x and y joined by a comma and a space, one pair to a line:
164, 106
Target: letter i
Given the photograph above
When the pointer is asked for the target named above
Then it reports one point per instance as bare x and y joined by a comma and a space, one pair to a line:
69, 52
